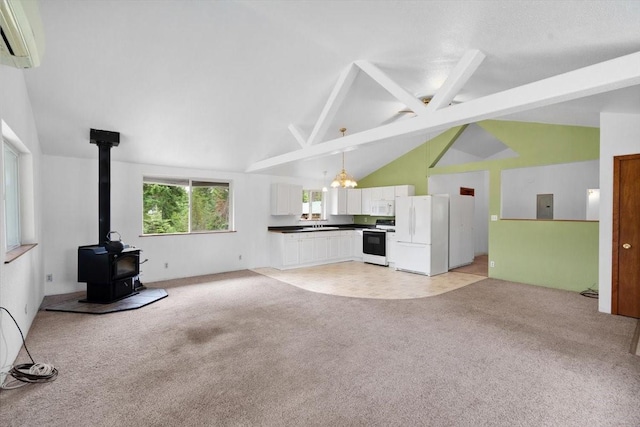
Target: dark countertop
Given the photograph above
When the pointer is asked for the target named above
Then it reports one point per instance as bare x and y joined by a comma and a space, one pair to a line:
306, 228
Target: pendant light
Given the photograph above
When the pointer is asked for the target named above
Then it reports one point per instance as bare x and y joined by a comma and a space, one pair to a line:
343, 179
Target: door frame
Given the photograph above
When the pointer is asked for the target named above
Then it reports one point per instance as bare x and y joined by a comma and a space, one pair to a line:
615, 280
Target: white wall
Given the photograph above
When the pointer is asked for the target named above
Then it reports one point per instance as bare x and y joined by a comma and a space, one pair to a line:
71, 204
619, 135
479, 180
567, 182
21, 281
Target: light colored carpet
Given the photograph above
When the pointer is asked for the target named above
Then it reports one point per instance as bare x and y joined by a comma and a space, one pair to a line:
241, 349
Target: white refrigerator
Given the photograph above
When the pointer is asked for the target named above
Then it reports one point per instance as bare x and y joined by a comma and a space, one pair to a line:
422, 234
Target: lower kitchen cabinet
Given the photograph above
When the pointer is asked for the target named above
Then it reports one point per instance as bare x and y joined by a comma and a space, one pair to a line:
334, 245
290, 250
391, 248
320, 249
356, 239
346, 248
306, 247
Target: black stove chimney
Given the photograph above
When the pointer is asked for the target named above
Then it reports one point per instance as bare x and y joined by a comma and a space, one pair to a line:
104, 140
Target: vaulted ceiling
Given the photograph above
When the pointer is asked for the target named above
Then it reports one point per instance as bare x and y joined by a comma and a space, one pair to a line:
228, 85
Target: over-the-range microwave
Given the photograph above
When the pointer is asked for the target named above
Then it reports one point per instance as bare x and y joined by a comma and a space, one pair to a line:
383, 208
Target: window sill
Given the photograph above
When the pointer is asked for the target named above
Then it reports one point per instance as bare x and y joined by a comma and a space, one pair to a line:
14, 254
188, 234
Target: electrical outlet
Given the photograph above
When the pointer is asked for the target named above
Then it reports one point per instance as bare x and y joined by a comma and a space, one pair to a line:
49, 277
166, 265
366, 219
492, 264
494, 217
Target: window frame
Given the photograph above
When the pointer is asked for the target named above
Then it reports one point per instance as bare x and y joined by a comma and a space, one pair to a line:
323, 205
188, 183
8, 148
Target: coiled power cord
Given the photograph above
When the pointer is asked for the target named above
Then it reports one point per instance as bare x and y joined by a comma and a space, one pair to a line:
27, 373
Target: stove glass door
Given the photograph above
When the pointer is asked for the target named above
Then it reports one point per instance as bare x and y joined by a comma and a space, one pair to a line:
374, 242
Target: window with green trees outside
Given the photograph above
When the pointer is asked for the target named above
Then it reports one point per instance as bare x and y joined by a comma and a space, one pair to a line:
184, 206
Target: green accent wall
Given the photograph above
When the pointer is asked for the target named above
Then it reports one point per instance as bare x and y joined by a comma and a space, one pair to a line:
557, 254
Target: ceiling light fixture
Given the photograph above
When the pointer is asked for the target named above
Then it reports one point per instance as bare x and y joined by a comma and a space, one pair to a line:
424, 100
343, 179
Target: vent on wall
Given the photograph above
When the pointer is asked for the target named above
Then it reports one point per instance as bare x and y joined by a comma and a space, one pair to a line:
21, 41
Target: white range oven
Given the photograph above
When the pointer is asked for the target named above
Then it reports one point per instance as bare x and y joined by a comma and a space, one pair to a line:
374, 242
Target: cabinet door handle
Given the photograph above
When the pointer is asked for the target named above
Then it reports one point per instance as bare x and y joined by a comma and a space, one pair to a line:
626, 246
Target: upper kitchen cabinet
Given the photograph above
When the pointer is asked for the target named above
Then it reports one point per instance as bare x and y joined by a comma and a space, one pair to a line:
383, 193
286, 199
404, 190
366, 200
338, 201
346, 201
354, 201
374, 197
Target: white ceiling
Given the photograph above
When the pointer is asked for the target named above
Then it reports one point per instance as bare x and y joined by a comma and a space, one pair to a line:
216, 84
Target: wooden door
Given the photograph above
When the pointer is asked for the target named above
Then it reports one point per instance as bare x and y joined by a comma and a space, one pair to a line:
625, 296
544, 206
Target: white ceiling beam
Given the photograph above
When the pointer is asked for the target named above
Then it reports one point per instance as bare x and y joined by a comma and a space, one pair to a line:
414, 104
334, 102
297, 134
603, 77
465, 68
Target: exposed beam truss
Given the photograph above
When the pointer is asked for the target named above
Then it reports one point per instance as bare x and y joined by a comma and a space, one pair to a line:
334, 102
592, 80
456, 80
297, 134
416, 105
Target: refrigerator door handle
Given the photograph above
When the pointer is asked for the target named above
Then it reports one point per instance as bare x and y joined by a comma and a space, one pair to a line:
413, 221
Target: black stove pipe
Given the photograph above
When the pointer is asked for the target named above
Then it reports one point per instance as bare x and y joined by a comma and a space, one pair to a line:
104, 140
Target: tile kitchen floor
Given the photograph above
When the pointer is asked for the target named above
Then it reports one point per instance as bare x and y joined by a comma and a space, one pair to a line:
361, 280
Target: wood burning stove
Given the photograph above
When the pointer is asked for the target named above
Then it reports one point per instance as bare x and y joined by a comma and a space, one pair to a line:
109, 274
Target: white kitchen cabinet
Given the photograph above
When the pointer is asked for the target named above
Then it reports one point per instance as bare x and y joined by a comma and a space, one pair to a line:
391, 247
354, 201
291, 250
383, 193
366, 200
404, 190
295, 200
320, 248
357, 245
338, 201
376, 193
346, 248
334, 246
286, 199
306, 248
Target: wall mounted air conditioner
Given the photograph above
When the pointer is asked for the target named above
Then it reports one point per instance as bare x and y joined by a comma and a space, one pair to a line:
22, 40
